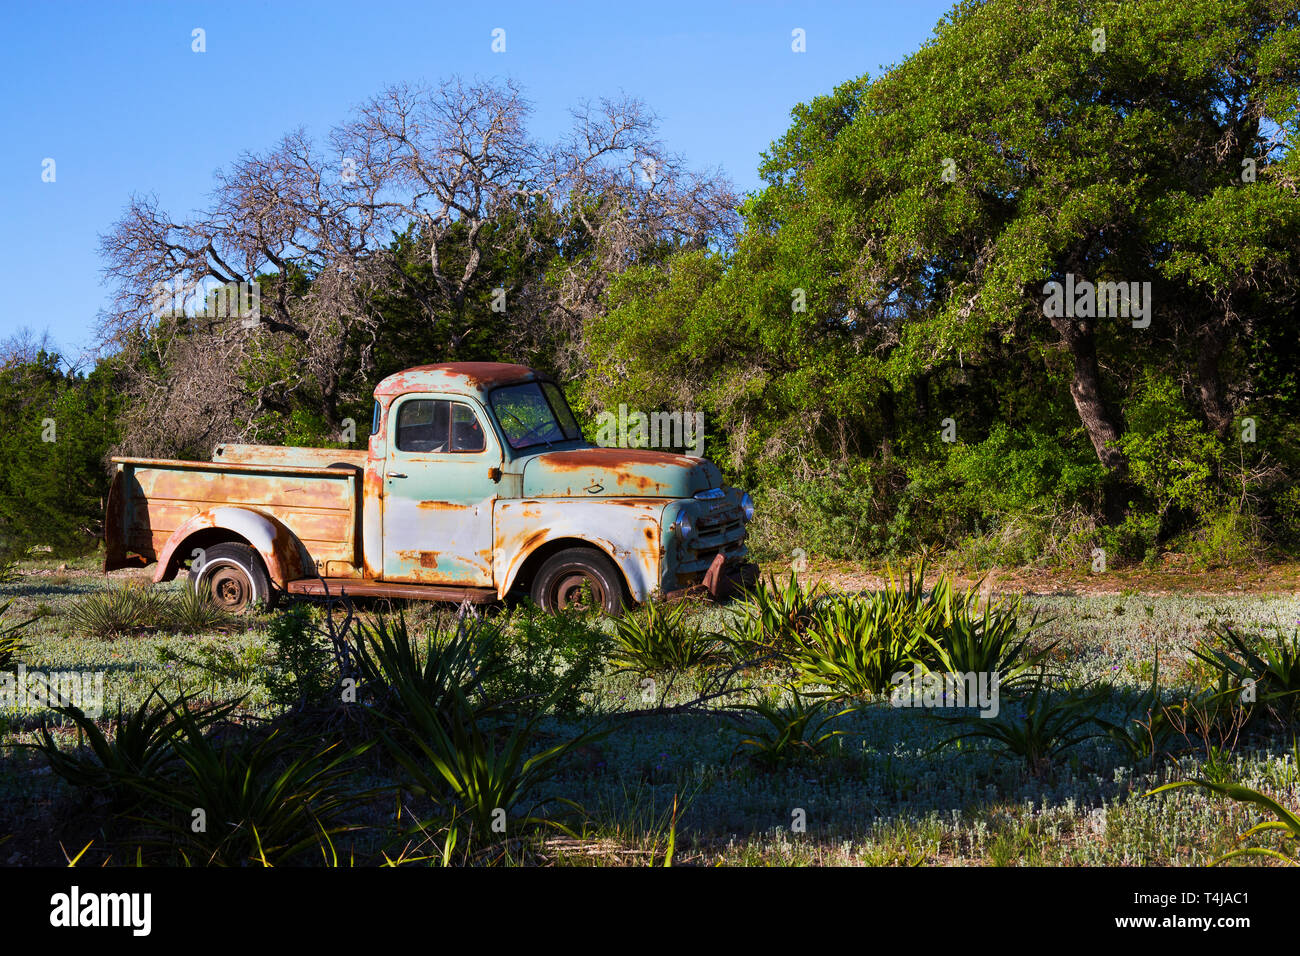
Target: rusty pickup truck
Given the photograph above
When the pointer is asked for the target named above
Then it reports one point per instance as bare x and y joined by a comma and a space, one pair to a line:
477, 485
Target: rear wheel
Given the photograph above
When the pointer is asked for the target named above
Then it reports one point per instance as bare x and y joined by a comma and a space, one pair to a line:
234, 576
578, 578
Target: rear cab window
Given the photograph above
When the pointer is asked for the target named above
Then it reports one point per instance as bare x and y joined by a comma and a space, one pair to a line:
438, 426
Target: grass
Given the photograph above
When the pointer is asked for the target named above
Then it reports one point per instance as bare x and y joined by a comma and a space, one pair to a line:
881, 793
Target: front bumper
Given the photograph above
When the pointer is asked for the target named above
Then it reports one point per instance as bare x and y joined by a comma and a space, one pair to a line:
709, 556
719, 582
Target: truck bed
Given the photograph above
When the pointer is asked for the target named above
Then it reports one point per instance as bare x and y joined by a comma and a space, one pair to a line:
150, 498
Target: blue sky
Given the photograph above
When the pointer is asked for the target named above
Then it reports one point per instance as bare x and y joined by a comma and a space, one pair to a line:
113, 93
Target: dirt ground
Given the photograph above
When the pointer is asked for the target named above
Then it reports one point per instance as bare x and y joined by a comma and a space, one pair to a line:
1173, 577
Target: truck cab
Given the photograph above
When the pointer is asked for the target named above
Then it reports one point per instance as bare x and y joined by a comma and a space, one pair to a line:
476, 484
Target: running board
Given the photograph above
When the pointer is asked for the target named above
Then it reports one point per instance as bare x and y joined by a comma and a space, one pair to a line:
355, 587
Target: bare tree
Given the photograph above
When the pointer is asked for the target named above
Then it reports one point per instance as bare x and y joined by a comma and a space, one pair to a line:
313, 227
24, 346
463, 155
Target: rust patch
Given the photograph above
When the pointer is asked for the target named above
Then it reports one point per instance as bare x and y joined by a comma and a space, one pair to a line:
613, 457
713, 576
425, 559
286, 560
389, 589
533, 539
441, 506
480, 375
371, 515
485, 374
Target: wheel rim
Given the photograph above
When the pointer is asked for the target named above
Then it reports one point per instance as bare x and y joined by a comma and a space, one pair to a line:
568, 591
231, 587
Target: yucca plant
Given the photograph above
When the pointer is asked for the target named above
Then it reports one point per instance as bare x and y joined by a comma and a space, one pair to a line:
905, 598
856, 645
792, 727
992, 643
483, 769
770, 615
234, 803
403, 677
124, 609
140, 748
1287, 822
11, 644
659, 638
1039, 725
438, 842
1268, 667
193, 612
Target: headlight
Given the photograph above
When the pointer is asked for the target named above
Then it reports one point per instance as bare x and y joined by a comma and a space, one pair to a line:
747, 503
683, 523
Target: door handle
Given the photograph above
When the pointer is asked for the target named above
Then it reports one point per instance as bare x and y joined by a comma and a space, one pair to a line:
396, 474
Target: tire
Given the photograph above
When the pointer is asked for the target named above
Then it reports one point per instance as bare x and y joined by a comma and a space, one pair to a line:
235, 575
559, 581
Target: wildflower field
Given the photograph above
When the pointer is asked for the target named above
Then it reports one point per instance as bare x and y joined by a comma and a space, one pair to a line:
765, 731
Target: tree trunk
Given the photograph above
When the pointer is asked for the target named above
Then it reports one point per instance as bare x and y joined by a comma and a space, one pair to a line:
1210, 342
1085, 388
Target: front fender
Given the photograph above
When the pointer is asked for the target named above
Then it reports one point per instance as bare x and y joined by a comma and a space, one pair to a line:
626, 529
285, 557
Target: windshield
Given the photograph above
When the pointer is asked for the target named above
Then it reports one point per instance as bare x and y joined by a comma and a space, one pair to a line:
534, 414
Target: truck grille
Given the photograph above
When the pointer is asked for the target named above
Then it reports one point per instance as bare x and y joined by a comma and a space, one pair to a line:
715, 534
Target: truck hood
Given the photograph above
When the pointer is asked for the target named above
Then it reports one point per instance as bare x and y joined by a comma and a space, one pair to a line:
619, 472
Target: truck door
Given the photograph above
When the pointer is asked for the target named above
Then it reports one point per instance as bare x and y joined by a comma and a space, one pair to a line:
438, 492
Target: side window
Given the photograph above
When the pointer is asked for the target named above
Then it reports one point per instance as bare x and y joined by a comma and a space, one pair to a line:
423, 425
466, 432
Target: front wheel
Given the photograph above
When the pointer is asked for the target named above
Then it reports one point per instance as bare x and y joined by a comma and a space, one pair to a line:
234, 576
578, 579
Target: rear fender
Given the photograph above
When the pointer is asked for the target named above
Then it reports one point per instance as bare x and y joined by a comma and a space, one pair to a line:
285, 557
